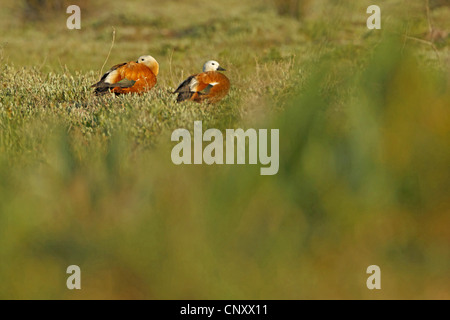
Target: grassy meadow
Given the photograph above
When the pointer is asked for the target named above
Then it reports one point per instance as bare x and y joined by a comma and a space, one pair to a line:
364, 120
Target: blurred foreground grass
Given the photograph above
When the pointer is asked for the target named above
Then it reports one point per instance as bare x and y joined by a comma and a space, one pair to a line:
364, 173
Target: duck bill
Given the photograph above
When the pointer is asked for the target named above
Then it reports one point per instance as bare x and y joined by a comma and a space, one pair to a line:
221, 69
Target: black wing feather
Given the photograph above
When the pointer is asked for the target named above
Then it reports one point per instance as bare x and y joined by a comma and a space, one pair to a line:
184, 89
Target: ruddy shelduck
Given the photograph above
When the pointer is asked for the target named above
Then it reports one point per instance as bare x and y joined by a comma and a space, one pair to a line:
209, 86
132, 77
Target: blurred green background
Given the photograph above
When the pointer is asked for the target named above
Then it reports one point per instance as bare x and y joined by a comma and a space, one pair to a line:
364, 175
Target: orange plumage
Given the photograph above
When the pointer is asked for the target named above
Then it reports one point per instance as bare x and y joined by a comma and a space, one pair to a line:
210, 86
131, 77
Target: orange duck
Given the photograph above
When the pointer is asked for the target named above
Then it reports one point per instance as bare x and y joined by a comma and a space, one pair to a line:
131, 77
210, 86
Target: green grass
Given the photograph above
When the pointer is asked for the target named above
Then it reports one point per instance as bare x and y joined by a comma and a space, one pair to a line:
364, 150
